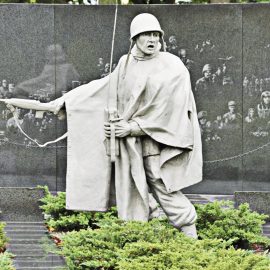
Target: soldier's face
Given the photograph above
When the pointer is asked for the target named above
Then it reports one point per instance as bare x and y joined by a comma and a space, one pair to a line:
172, 39
266, 100
232, 108
251, 113
207, 74
183, 53
147, 42
107, 67
202, 121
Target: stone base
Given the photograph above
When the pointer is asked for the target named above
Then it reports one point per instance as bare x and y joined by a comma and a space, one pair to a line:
258, 201
20, 204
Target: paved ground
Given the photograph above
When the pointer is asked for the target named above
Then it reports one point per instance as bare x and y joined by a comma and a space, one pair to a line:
30, 244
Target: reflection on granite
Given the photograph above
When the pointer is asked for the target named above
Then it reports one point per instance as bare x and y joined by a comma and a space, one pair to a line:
54, 80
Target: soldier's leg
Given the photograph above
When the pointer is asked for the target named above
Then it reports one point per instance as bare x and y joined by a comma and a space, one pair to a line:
179, 210
154, 207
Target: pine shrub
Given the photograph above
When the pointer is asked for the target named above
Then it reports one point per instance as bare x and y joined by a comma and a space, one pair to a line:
5, 257
98, 241
221, 220
153, 246
3, 238
6, 261
58, 218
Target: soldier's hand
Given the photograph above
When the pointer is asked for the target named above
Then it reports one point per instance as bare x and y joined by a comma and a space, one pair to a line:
107, 129
122, 129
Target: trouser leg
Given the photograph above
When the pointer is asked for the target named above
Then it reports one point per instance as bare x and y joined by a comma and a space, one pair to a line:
154, 207
176, 206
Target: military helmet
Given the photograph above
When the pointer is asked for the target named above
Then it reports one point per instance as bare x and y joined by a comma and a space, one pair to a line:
231, 103
206, 67
265, 94
202, 114
144, 22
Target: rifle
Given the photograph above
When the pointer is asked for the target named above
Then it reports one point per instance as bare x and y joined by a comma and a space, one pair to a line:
111, 114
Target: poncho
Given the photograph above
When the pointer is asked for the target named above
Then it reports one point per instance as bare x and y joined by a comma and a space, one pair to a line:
162, 103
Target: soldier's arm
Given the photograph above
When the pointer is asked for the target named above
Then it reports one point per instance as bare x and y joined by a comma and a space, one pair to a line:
135, 129
32, 104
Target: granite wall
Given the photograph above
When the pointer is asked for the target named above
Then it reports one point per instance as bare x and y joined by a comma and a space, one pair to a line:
46, 51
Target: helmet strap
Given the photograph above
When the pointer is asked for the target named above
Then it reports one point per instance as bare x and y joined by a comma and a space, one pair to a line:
132, 43
163, 43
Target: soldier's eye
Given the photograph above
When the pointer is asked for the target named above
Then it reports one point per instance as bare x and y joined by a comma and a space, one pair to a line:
147, 34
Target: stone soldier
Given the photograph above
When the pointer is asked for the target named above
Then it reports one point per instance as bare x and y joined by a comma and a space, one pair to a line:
156, 126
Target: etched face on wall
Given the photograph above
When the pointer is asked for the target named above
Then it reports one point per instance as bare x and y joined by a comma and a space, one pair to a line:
4, 83
251, 112
266, 100
147, 42
207, 74
172, 40
232, 108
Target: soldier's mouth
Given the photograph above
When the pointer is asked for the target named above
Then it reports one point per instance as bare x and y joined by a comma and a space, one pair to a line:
150, 46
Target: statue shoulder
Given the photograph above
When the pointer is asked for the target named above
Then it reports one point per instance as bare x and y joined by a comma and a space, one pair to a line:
173, 61
170, 56
122, 59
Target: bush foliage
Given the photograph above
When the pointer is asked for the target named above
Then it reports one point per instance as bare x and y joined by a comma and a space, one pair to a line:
6, 261
3, 238
102, 241
5, 258
152, 245
221, 220
61, 219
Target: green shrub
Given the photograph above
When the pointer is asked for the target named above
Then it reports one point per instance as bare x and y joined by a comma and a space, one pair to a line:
221, 220
6, 261
54, 206
5, 257
100, 247
102, 241
215, 220
180, 254
3, 238
61, 219
152, 246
